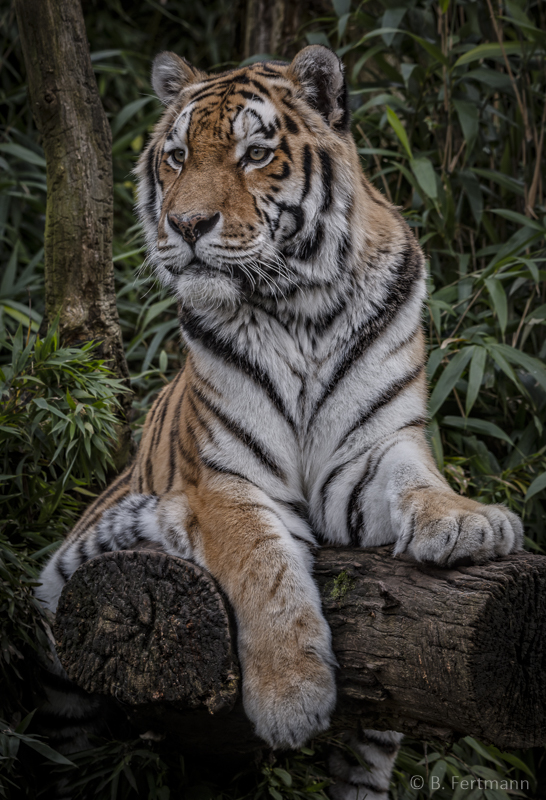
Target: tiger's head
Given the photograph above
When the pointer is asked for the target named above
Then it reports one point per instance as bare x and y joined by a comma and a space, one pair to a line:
247, 187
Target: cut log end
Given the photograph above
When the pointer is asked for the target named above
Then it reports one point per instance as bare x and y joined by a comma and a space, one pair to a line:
509, 665
148, 628
431, 652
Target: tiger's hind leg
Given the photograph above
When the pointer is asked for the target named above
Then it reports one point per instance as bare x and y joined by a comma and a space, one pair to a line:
67, 714
354, 781
135, 522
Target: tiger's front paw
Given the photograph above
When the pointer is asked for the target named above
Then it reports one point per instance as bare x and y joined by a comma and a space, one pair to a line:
289, 696
444, 527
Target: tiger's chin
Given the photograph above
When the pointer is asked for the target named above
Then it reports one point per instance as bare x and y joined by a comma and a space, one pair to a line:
206, 291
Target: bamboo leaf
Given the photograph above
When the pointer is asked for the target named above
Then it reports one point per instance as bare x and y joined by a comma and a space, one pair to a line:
128, 112
469, 119
520, 219
426, 177
489, 50
47, 751
23, 153
341, 7
498, 296
392, 19
399, 130
475, 377
477, 426
532, 365
449, 378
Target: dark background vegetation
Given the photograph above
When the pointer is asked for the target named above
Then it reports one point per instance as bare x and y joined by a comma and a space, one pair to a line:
448, 103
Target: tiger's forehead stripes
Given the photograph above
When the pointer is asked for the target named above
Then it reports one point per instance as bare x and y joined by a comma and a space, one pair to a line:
239, 121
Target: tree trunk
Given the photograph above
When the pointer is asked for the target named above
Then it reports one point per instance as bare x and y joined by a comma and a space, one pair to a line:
431, 652
78, 148
273, 27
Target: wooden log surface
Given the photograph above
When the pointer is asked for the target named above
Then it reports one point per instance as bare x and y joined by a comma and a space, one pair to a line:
428, 651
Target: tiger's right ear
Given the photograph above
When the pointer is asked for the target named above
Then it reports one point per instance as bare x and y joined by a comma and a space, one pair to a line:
171, 74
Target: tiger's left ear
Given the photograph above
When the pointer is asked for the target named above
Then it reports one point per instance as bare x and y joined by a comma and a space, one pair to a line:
320, 73
171, 74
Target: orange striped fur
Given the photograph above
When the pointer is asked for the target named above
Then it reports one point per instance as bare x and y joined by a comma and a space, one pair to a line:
299, 417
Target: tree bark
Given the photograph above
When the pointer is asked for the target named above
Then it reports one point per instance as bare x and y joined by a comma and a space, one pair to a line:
273, 27
77, 142
431, 652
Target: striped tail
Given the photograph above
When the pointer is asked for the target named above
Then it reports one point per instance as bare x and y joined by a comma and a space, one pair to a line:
362, 770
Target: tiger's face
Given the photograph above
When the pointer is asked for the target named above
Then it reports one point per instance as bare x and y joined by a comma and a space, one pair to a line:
237, 187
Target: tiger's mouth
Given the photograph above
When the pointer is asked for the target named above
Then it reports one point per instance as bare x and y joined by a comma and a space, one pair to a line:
202, 268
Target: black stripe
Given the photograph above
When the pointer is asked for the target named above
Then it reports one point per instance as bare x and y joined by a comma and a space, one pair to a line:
297, 507
222, 349
327, 178
400, 290
280, 176
102, 545
307, 170
202, 422
323, 494
210, 464
81, 550
309, 248
174, 433
96, 509
62, 570
291, 126
328, 320
261, 87
151, 175
343, 103
267, 131
388, 747
162, 408
296, 212
266, 68
243, 435
249, 95
257, 208
283, 145
387, 396
355, 518
186, 455
211, 90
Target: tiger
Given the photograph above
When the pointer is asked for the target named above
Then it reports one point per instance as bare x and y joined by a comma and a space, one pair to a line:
300, 416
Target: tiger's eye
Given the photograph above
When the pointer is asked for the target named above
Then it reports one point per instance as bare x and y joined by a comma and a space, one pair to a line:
178, 155
257, 153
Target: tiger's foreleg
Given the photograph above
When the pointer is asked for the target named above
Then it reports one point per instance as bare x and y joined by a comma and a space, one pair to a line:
402, 489
259, 554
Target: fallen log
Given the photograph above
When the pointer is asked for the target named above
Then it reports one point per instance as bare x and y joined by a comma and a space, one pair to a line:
432, 652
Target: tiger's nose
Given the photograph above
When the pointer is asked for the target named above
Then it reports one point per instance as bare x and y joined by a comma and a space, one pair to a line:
191, 228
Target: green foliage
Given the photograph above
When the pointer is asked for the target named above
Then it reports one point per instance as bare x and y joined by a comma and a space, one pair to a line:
57, 417
57, 413
14, 740
447, 774
449, 123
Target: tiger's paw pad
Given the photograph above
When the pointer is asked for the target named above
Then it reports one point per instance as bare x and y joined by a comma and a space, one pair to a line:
446, 529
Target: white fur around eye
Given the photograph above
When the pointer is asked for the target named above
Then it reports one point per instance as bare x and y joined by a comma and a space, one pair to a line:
177, 157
